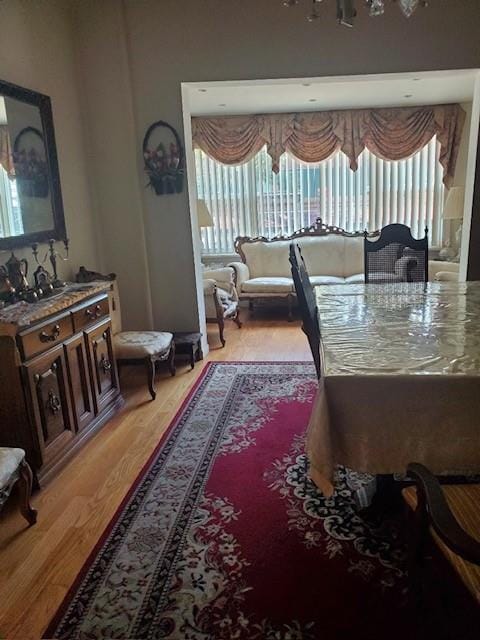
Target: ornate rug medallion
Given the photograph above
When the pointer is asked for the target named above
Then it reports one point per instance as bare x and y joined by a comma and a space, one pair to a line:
223, 536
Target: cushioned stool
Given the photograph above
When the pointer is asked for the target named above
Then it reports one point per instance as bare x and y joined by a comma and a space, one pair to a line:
140, 347
148, 348
13, 469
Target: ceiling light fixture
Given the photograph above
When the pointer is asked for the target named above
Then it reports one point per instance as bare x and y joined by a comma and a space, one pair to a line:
346, 11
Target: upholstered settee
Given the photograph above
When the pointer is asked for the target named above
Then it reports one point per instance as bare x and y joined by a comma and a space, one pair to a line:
332, 256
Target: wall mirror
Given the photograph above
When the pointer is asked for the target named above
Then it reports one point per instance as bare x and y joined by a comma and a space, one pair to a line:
31, 208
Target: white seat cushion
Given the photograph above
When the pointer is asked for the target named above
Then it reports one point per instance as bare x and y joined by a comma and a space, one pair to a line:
268, 285
10, 460
386, 277
357, 278
140, 344
316, 280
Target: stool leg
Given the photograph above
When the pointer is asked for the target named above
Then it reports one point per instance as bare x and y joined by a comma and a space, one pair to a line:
192, 356
150, 366
171, 360
25, 491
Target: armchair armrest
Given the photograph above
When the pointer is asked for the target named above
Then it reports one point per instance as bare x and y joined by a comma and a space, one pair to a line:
223, 275
431, 497
242, 273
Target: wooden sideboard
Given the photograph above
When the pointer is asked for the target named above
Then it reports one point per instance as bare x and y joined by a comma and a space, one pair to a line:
58, 376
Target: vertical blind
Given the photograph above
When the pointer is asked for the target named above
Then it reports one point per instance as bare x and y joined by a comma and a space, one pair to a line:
251, 200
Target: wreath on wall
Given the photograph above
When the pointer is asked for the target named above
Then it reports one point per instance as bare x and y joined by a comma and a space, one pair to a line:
164, 163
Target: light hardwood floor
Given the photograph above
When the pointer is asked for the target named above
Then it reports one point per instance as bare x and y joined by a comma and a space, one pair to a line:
38, 564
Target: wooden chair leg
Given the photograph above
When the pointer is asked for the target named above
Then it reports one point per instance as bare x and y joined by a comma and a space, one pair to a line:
171, 360
25, 491
236, 319
290, 308
221, 326
150, 366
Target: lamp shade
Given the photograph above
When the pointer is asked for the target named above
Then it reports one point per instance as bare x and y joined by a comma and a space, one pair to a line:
453, 209
204, 217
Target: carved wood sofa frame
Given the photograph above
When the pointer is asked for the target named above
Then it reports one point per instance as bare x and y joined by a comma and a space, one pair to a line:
316, 229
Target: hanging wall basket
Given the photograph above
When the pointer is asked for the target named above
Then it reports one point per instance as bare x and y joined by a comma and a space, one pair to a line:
164, 158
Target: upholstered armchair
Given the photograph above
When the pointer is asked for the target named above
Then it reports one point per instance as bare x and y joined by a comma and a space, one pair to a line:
221, 299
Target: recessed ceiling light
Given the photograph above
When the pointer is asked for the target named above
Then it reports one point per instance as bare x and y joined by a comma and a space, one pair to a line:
312, 100
408, 95
306, 84
203, 90
416, 79
222, 104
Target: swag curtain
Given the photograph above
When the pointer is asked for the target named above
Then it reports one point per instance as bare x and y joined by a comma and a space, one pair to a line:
391, 134
6, 152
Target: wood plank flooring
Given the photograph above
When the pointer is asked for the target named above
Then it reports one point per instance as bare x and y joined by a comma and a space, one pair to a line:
38, 564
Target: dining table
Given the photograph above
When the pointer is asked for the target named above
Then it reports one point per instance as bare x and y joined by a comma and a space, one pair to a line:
400, 380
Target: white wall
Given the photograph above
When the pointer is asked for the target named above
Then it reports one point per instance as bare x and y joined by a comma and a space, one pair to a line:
36, 52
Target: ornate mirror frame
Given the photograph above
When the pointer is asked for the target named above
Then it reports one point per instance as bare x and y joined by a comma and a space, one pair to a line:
45, 108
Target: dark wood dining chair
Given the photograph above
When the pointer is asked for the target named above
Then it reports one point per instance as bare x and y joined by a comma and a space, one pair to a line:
307, 304
450, 514
396, 256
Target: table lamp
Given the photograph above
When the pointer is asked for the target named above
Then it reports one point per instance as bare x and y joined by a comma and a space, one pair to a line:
204, 217
453, 210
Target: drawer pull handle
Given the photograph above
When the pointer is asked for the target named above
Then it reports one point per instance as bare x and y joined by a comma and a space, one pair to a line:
94, 313
105, 364
53, 403
52, 336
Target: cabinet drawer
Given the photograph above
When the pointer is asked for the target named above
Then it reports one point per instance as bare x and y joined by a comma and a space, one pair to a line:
43, 336
91, 312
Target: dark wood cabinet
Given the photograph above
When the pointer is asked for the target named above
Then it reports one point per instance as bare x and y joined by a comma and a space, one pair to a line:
104, 372
58, 383
47, 394
79, 378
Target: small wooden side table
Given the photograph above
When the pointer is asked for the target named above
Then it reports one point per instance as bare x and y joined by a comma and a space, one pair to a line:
188, 344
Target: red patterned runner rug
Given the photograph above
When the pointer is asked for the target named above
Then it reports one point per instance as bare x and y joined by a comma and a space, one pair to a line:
222, 536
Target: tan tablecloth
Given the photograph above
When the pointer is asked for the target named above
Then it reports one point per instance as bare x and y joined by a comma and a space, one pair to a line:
400, 379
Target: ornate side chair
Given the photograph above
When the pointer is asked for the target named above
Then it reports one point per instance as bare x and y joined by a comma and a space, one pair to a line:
221, 299
451, 514
396, 256
307, 304
14, 469
140, 347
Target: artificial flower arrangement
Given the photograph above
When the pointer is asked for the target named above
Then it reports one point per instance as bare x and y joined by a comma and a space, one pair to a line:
164, 166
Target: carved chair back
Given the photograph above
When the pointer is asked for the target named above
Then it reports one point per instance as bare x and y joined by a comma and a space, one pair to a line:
307, 304
396, 256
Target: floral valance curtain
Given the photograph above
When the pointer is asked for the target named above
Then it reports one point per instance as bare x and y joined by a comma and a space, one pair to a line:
391, 134
6, 155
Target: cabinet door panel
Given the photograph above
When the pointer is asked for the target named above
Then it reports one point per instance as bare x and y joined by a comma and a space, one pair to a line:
80, 389
103, 365
50, 404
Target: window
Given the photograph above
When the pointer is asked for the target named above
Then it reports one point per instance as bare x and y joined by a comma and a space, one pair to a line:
251, 200
11, 223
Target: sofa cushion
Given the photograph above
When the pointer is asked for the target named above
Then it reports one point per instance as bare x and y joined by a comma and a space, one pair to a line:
268, 285
317, 280
353, 256
323, 255
357, 278
268, 258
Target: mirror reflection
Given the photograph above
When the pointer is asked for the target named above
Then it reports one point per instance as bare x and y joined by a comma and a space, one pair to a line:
25, 193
